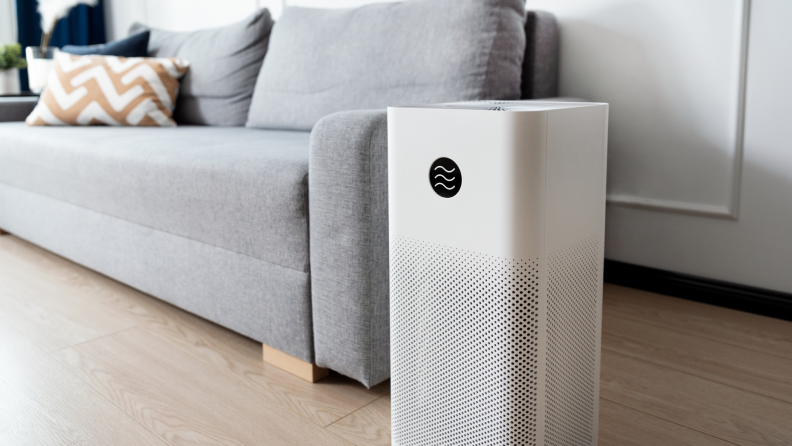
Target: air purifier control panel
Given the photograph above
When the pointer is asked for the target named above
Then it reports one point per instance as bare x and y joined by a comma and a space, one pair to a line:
445, 177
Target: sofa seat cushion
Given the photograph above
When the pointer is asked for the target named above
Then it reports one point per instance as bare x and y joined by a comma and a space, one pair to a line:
244, 190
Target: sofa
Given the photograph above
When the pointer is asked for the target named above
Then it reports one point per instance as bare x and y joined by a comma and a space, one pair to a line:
277, 231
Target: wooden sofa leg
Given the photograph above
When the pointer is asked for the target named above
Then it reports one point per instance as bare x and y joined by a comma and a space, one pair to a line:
295, 366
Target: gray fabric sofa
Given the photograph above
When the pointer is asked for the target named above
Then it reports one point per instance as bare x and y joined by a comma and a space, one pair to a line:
279, 235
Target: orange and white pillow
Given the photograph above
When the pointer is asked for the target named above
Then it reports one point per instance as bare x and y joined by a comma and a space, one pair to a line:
110, 90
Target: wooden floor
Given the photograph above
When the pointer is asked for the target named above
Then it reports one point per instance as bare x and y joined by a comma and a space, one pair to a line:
86, 360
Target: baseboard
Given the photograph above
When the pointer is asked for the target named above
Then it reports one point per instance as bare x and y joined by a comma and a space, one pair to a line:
724, 294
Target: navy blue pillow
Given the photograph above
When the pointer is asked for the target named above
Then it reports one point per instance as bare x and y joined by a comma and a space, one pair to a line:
135, 45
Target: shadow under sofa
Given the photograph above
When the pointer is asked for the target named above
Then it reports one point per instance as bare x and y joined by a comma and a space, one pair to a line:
279, 235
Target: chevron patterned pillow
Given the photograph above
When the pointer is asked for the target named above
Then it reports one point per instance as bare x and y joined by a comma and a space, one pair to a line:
109, 90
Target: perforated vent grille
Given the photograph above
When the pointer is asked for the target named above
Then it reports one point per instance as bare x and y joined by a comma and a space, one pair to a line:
464, 340
572, 344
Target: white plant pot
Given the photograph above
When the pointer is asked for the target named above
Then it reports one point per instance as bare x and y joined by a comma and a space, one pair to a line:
9, 81
39, 67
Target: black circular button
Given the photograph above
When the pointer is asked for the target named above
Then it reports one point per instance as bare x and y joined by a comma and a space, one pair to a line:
445, 177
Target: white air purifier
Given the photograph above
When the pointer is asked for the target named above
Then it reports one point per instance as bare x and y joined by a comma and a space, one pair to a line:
497, 218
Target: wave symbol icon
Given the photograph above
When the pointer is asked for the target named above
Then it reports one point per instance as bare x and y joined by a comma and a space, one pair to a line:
445, 177
440, 175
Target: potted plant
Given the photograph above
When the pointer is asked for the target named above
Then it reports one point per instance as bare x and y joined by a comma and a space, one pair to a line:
40, 58
10, 62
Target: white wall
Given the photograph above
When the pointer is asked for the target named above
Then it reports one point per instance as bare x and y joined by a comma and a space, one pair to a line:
671, 70
188, 15
333, 3
7, 22
180, 15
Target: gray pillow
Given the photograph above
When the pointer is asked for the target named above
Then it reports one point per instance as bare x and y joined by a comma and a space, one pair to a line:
224, 63
322, 61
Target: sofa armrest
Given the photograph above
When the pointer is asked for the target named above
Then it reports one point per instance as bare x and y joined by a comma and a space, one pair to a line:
348, 208
16, 108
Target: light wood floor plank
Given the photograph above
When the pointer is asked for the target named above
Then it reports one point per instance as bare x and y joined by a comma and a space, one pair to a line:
720, 324
323, 402
623, 426
51, 315
719, 410
367, 426
183, 399
619, 426
43, 403
748, 369
63, 276
48, 329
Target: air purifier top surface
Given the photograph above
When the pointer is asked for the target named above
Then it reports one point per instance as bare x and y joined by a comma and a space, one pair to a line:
513, 106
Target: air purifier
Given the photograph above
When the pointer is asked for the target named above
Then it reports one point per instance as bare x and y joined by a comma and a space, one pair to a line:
497, 213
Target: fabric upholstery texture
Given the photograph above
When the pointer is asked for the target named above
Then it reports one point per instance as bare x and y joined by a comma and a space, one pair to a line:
109, 90
239, 189
322, 61
348, 199
135, 45
224, 64
264, 301
540, 65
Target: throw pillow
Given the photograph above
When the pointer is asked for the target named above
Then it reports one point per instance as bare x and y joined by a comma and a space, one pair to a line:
135, 45
110, 90
322, 61
224, 63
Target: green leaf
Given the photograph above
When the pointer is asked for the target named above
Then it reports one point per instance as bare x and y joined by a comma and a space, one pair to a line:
11, 57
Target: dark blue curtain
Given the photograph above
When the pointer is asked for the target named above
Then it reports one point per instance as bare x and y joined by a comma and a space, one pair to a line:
83, 26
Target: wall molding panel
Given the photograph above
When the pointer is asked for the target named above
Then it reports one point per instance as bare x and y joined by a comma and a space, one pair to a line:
681, 207
674, 73
706, 210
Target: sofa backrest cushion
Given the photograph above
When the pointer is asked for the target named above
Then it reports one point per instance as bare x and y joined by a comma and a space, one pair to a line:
224, 63
322, 61
540, 66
